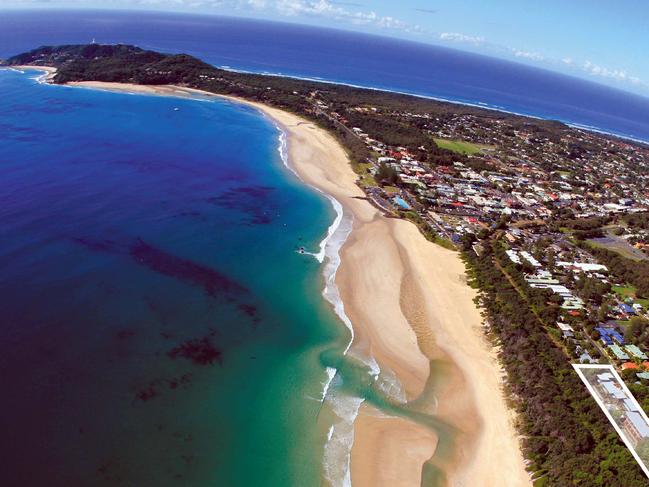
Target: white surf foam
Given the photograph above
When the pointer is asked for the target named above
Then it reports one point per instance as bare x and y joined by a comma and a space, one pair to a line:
340, 437
329, 248
328, 253
337, 454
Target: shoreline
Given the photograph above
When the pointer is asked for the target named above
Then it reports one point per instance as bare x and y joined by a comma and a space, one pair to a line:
48, 75
477, 104
408, 311
481, 105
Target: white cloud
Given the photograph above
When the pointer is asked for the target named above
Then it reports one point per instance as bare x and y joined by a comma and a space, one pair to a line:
457, 37
614, 74
339, 12
534, 56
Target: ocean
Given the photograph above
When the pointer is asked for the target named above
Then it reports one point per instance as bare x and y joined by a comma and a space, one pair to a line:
344, 57
159, 326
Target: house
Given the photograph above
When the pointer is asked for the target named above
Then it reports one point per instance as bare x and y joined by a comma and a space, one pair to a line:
528, 257
626, 309
585, 358
572, 303
636, 352
566, 330
605, 377
618, 352
630, 366
609, 334
584, 266
513, 256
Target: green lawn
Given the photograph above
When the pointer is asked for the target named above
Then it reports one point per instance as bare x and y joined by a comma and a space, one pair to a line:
368, 180
365, 177
624, 291
460, 146
630, 292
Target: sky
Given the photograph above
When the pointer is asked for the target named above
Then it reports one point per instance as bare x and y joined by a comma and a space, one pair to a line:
601, 40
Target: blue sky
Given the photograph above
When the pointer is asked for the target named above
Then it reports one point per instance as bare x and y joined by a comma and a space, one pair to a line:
601, 40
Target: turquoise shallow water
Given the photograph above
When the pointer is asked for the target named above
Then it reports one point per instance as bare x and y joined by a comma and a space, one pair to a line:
158, 326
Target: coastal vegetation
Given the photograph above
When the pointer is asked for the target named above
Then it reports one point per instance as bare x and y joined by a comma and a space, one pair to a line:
565, 434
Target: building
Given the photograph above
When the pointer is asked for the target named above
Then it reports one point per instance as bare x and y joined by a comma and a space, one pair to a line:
618, 352
513, 256
609, 334
528, 257
630, 366
605, 377
585, 358
566, 330
626, 309
586, 267
613, 390
635, 427
636, 352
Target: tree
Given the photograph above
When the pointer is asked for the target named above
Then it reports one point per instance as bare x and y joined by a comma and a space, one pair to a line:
635, 328
602, 312
552, 259
387, 174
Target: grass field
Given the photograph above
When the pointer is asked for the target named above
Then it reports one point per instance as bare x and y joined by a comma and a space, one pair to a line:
460, 146
624, 291
630, 292
366, 178
618, 245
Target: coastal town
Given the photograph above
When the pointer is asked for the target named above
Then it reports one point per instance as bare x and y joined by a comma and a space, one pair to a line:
568, 213
528, 186
551, 223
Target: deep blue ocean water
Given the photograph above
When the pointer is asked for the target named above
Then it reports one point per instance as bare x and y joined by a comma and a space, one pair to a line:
342, 57
158, 326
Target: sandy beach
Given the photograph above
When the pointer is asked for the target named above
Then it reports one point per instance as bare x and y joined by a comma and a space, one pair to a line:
410, 305
49, 72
